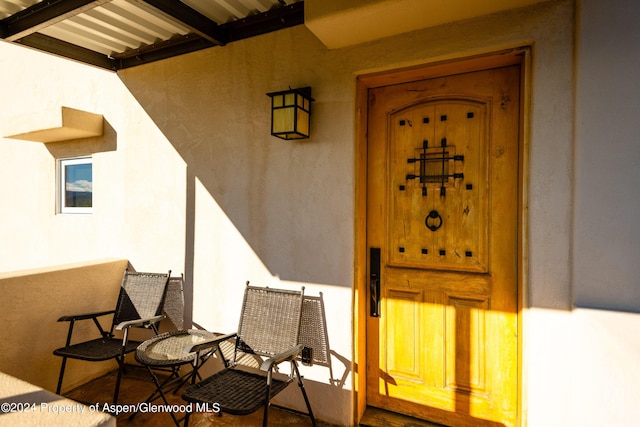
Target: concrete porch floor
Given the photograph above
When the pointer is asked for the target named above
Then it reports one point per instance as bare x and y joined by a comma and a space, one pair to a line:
136, 386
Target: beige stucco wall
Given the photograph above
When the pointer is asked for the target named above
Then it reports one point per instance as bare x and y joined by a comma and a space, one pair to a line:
130, 167
282, 213
606, 239
339, 24
32, 302
187, 178
190, 135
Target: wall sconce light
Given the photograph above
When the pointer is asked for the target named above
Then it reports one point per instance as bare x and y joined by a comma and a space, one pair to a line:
291, 113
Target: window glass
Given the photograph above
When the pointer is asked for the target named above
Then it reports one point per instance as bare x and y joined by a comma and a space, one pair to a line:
76, 185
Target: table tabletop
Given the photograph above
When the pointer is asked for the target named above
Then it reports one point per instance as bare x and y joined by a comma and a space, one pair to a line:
168, 348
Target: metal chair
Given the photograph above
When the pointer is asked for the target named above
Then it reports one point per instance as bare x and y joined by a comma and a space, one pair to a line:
269, 327
139, 305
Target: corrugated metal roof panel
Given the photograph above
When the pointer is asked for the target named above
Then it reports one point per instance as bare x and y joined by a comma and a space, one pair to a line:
8, 8
119, 29
116, 27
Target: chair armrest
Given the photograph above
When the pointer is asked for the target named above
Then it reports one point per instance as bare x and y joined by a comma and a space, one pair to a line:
85, 316
290, 354
213, 342
139, 322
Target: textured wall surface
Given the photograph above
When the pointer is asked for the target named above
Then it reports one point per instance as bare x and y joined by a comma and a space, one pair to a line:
186, 177
32, 302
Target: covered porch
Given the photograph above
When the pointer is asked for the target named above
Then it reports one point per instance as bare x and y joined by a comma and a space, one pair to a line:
89, 287
187, 177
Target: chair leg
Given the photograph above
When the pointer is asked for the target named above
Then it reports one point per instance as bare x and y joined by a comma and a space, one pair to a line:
120, 360
120, 369
64, 364
306, 400
304, 393
265, 417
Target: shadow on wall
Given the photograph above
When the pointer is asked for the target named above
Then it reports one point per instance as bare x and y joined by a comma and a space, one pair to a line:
290, 201
82, 147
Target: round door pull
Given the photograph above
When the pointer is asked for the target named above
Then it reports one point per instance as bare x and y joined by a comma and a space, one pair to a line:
433, 220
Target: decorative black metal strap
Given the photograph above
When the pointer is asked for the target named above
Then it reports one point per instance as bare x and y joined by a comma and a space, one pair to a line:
423, 167
426, 177
423, 159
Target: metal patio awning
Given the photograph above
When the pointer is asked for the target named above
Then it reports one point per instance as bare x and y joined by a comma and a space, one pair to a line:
118, 34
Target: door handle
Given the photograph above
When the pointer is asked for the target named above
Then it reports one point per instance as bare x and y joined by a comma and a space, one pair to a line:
374, 282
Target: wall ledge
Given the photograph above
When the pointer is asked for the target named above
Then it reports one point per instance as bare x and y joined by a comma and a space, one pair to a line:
337, 23
55, 125
61, 267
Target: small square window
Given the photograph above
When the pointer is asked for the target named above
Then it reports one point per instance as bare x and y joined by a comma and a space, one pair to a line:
75, 185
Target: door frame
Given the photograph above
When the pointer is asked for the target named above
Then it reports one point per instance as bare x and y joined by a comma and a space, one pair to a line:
518, 55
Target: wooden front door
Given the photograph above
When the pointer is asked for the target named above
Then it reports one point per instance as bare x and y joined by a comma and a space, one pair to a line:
442, 221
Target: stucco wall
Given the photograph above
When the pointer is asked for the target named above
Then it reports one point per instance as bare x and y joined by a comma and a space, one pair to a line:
130, 179
606, 239
188, 178
281, 212
32, 302
607, 130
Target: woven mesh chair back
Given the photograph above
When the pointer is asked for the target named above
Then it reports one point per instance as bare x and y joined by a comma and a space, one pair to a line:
270, 320
313, 329
141, 296
174, 302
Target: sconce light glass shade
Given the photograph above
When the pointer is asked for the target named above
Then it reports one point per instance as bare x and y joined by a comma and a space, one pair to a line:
291, 113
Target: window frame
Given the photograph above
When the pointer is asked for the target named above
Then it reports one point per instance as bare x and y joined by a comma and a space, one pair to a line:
61, 174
